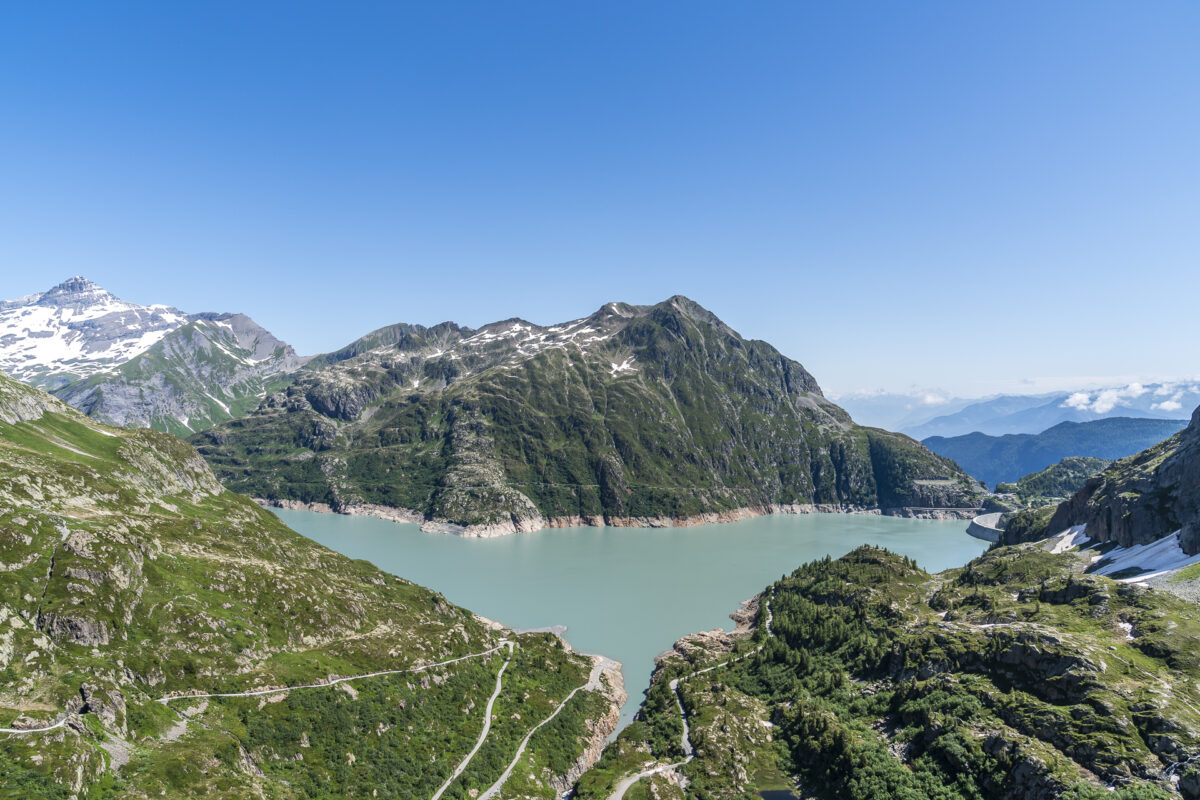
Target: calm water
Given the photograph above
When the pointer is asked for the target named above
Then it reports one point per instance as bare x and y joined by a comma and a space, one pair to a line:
628, 593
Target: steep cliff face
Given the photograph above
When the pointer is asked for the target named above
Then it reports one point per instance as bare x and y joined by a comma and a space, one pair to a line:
214, 368
1143, 498
633, 413
130, 577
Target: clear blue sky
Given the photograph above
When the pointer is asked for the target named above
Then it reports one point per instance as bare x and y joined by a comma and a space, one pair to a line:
943, 194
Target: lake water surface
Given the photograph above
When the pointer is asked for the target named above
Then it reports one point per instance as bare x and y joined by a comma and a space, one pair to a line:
628, 593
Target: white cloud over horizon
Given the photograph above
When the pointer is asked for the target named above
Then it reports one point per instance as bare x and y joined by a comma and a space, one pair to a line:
1105, 400
1086, 394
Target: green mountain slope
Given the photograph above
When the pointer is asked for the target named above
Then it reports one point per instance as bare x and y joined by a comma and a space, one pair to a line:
214, 368
1056, 482
1014, 677
993, 459
633, 415
129, 576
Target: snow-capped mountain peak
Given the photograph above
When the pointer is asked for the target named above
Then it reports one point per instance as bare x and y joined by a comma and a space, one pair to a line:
79, 293
77, 329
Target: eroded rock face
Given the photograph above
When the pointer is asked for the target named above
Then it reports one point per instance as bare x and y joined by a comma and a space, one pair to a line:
212, 368
1143, 498
599, 728
19, 406
79, 630
1189, 783
106, 702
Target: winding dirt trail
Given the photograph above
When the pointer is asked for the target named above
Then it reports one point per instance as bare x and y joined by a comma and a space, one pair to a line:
487, 727
281, 689
593, 685
336, 681
58, 724
689, 751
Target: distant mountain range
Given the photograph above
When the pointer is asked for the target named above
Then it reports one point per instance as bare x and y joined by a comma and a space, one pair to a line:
922, 415
141, 366
634, 415
899, 411
993, 459
1135, 501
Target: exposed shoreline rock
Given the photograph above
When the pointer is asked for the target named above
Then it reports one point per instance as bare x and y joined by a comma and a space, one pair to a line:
531, 524
600, 728
715, 642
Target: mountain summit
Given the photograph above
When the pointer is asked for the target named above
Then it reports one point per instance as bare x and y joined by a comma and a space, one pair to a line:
76, 329
634, 415
141, 366
77, 293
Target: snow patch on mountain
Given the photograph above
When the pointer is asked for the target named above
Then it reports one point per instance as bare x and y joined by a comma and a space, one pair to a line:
624, 366
1134, 564
1148, 560
75, 330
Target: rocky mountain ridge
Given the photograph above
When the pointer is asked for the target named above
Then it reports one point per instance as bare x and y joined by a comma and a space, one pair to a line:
213, 368
141, 366
1007, 458
633, 415
1056, 482
74, 330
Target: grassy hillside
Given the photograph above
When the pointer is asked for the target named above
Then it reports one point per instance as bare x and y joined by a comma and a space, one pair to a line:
1056, 482
130, 576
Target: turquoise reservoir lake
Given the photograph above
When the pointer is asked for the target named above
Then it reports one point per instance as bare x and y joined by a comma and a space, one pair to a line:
628, 593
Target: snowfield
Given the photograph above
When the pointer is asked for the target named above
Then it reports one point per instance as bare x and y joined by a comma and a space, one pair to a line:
1150, 560
79, 329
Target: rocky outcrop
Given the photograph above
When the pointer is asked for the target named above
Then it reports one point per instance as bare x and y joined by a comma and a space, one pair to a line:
105, 701
18, 406
1142, 498
599, 729
78, 630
